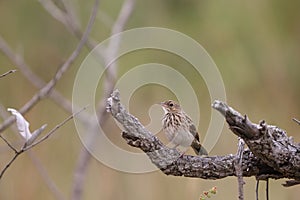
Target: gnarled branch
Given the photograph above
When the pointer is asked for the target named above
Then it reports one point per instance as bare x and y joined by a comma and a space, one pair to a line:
269, 143
272, 154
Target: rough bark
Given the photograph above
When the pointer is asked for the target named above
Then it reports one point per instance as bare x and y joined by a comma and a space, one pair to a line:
271, 153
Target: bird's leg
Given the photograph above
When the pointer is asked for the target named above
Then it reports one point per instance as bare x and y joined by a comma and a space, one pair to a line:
181, 153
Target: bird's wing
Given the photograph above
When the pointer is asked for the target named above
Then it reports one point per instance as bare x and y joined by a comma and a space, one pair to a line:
192, 128
194, 132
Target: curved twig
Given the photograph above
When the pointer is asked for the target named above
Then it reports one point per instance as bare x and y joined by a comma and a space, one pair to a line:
7, 73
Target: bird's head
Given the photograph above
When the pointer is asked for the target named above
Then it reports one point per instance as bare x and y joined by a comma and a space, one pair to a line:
170, 106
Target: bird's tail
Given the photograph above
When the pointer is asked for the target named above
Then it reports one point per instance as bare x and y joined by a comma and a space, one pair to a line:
198, 148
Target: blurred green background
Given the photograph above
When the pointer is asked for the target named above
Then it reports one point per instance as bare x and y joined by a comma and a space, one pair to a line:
255, 45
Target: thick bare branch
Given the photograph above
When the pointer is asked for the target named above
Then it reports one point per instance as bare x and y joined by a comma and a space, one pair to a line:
169, 161
269, 143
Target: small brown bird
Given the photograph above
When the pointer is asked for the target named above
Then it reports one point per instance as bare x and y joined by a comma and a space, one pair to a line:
179, 127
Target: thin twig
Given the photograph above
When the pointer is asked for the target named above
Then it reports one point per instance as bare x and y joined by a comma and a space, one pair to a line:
72, 17
290, 183
67, 19
111, 50
8, 144
54, 129
85, 157
9, 163
267, 189
4, 115
7, 73
23, 149
19, 62
238, 168
256, 189
50, 85
51, 185
296, 120
35, 80
55, 12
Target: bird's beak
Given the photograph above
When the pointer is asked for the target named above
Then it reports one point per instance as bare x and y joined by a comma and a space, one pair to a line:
161, 104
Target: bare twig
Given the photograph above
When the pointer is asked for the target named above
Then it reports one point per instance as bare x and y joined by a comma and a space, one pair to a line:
84, 157
36, 81
291, 183
67, 19
9, 163
50, 85
267, 189
123, 16
53, 130
296, 120
26, 148
25, 69
238, 168
111, 51
66, 15
7, 73
55, 12
72, 17
51, 185
4, 115
8, 144
256, 189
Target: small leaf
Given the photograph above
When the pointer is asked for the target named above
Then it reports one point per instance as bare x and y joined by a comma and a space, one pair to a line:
35, 135
22, 124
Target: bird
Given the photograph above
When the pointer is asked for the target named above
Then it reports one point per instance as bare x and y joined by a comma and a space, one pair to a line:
179, 127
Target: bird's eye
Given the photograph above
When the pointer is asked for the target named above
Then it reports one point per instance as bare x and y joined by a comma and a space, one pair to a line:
171, 104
